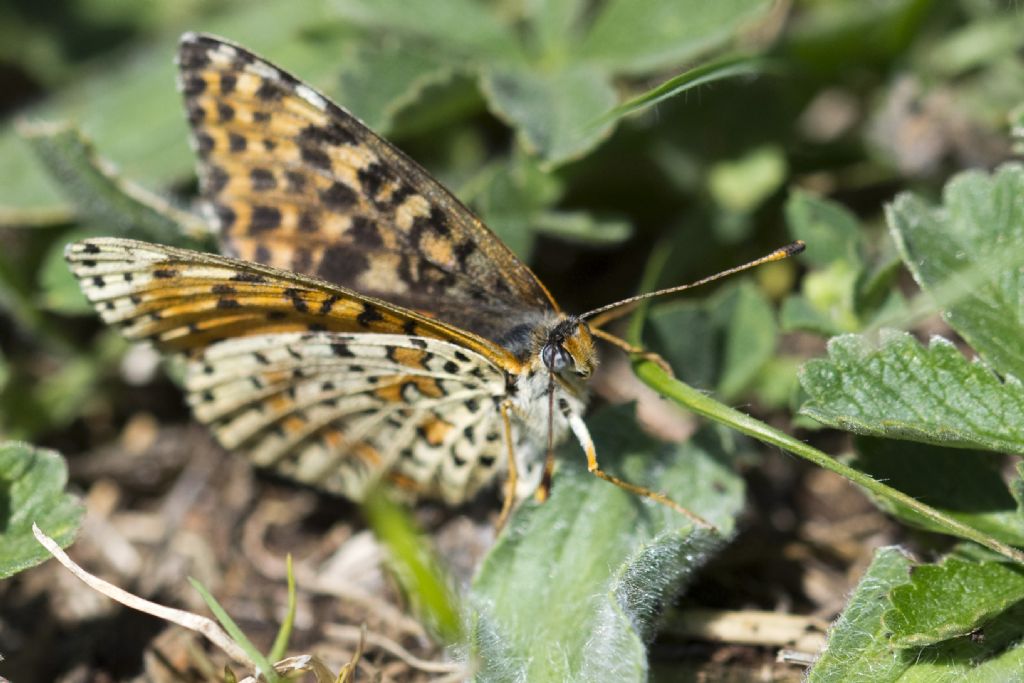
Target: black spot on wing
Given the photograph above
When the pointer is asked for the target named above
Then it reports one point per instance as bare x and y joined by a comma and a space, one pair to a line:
225, 216
269, 91
463, 251
372, 177
295, 298
338, 196
369, 315
332, 134
302, 259
264, 218
296, 181
193, 56
193, 86
204, 144
316, 158
341, 263
248, 277
262, 179
364, 232
216, 179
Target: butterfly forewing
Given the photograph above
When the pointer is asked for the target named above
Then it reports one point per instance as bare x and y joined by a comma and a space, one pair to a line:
341, 410
185, 300
295, 181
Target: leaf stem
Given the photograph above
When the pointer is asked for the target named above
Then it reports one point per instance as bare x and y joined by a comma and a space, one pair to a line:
704, 405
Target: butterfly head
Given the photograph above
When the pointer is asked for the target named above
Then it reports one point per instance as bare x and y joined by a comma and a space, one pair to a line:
568, 348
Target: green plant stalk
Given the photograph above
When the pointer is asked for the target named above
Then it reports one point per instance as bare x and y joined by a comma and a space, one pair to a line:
701, 404
414, 566
284, 634
233, 630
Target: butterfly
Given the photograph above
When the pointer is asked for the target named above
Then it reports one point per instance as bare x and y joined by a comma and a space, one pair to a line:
363, 324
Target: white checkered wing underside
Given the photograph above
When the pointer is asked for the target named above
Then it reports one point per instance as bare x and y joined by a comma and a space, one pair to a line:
340, 411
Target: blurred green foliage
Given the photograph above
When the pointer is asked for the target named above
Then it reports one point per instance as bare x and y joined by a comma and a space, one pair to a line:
584, 133
33, 493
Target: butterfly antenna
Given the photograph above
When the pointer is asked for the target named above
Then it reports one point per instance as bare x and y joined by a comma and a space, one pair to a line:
618, 309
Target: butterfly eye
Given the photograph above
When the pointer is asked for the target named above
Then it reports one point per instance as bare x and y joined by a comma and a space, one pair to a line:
555, 357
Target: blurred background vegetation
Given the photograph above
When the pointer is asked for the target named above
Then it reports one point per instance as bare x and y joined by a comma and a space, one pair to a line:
504, 102
560, 123
853, 102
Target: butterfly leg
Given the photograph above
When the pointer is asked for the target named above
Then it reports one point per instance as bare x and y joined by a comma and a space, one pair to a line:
579, 428
513, 472
632, 349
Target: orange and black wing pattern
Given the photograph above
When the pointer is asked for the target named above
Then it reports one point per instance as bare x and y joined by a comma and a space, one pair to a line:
183, 300
295, 181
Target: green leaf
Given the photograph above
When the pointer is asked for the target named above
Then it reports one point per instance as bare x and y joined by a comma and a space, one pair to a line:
27, 196
905, 391
638, 36
832, 293
32, 482
458, 27
830, 231
743, 184
994, 656
510, 196
749, 340
700, 403
776, 383
967, 254
875, 296
59, 290
555, 26
721, 69
553, 111
951, 599
729, 338
73, 389
977, 45
582, 228
382, 79
128, 106
799, 313
695, 356
89, 184
826, 41
857, 648
966, 485
607, 558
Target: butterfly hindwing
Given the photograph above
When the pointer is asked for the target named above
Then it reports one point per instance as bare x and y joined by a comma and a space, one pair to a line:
296, 181
339, 411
